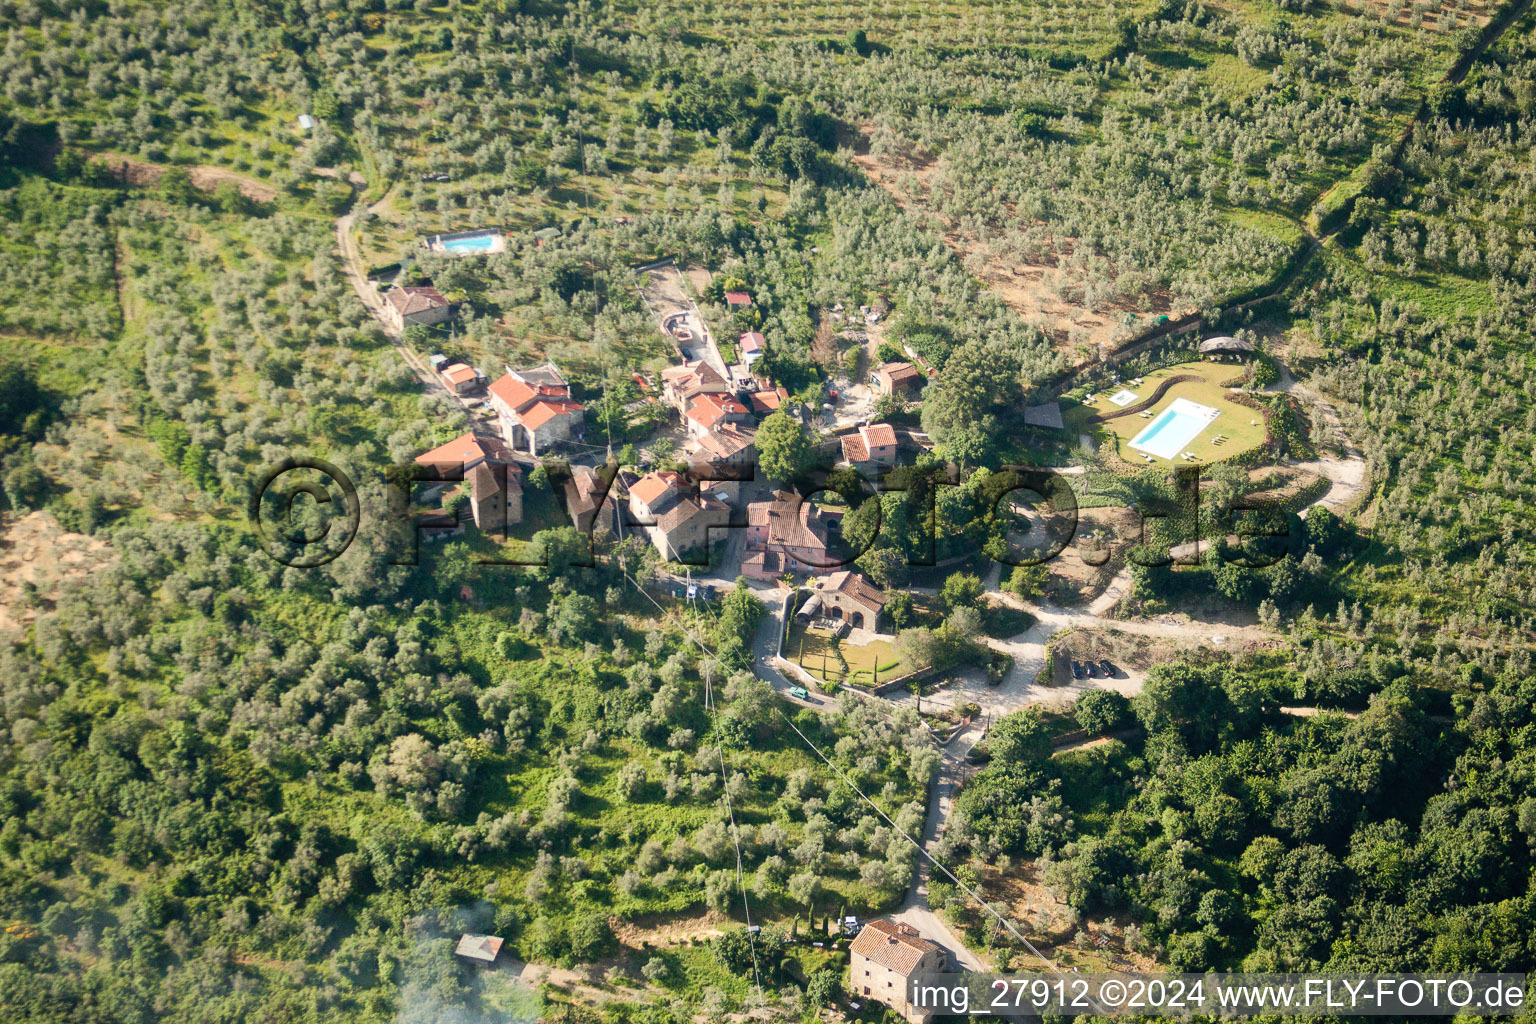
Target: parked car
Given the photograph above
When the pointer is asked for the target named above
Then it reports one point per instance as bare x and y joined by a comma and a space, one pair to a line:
1108, 669
1093, 672
800, 692
1077, 670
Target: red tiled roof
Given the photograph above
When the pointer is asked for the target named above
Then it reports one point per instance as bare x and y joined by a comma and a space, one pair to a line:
544, 410
857, 586
414, 299
458, 373
512, 391
479, 947
768, 401
859, 447
687, 508
708, 409
727, 441
690, 378
456, 452
462, 451
752, 342
897, 946
653, 485
738, 299
791, 522
900, 373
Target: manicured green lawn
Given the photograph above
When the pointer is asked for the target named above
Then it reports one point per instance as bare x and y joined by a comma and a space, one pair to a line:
1241, 425
868, 664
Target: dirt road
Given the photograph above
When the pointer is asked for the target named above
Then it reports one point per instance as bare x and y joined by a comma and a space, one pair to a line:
352, 264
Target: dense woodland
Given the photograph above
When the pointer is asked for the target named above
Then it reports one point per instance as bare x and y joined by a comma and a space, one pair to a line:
233, 790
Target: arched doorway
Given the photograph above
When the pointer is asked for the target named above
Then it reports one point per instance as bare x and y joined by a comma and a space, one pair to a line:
856, 620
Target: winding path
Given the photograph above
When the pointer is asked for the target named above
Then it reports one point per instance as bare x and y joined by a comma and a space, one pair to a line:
352, 264
1348, 479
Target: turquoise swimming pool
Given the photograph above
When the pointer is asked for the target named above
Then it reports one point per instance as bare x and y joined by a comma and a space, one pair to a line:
1174, 428
472, 244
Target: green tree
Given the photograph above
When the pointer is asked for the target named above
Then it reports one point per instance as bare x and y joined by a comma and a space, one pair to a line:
1181, 699
1027, 582
973, 384
1020, 738
783, 447
824, 987
961, 590
883, 564
1102, 711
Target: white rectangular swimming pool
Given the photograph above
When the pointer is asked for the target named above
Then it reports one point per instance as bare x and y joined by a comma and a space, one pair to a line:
1174, 428
474, 243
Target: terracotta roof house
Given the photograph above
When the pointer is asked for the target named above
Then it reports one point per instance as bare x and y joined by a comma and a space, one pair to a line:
752, 347
729, 442
849, 597
673, 513
768, 400
681, 384
479, 948
871, 447
737, 299
896, 379
460, 377
466, 450
654, 493
728, 455
884, 958
789, 534
495, 481
535, 409
591, 500
711, 411
415, 305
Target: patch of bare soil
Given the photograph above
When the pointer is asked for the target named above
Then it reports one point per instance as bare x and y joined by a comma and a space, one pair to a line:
142, 174
1085, 567
1279, 483
662, 287
1059, 931
35, 552
667, 931
1047, 293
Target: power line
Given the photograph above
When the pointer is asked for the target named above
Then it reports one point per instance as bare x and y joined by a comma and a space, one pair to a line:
1050, 965
725, 790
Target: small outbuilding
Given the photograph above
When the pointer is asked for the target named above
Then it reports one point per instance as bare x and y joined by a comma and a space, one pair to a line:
1225, 343
1047, 415
480, 949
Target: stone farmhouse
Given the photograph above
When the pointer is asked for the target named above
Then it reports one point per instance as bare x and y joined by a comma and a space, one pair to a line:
871, 448
495, 480
535, 410
846, 596
902, 379
787, 534
674, 514
885, 958
415, 305
725, 458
